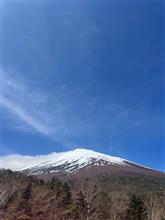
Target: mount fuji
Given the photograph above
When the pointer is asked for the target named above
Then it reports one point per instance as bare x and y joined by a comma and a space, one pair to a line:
78, 162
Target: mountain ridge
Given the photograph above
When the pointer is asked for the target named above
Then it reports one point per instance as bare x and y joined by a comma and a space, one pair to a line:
70, 162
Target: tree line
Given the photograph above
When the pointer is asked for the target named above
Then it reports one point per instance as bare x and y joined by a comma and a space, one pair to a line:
89, 202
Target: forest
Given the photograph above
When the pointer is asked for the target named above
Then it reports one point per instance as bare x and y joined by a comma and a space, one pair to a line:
28, 198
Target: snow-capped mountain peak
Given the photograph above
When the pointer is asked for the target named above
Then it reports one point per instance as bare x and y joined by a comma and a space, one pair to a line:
69, 162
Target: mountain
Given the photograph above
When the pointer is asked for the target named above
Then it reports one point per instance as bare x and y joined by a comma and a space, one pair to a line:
71, 162
78, 163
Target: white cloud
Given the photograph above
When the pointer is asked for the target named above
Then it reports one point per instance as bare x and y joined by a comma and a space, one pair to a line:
33, 110
29, 119
20, 99
16, 162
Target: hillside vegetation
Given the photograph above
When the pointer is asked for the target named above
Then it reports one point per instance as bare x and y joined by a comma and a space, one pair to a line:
107, 198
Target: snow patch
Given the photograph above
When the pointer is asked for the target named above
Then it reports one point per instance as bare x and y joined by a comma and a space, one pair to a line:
70, 160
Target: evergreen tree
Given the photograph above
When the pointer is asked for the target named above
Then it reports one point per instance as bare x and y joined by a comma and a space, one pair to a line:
52, 183
27, 192
41, 182
136, 209
58, 186
81, 206
66, 195
81, 201
25, 198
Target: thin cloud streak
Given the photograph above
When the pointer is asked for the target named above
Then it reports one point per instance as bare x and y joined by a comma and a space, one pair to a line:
21, 113
32, 110
20, 100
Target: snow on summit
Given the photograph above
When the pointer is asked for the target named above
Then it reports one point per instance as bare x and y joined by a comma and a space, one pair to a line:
78, 157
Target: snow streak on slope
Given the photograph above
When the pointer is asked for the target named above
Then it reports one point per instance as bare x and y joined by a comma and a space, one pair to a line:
70, 161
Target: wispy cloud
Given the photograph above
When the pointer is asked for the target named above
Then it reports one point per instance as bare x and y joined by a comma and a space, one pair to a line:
20, 99
59, 117
33, 110
121, 111
26, 117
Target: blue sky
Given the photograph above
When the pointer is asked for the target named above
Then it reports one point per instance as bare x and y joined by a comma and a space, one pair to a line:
85, 75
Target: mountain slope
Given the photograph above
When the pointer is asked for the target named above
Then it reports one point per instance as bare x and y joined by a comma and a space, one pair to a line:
77, 163
72, 161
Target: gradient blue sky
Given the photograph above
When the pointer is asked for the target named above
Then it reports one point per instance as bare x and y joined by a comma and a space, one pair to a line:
84, 74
